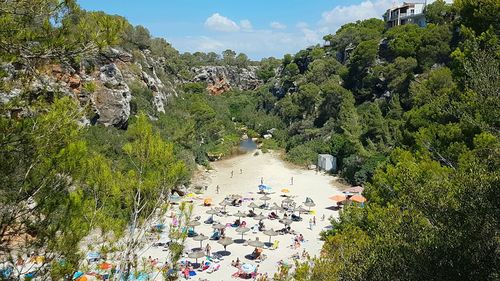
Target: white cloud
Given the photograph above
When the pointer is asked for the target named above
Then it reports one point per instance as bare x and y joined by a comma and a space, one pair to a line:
302, 25
246, 25
277, 25
341, 15
277, 39
216, 22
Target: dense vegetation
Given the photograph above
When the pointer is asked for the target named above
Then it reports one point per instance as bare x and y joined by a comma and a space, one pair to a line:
412, 113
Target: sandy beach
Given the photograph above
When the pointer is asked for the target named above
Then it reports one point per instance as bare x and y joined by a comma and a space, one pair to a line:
278, 175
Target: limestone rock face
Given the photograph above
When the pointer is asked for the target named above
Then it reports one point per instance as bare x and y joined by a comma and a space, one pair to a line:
112, 102
221, 79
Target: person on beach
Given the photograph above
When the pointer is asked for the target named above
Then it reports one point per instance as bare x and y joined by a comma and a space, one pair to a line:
241, 171
217, 188
314, 220
232, 173
206, 187
256, 271
310, 224
291, 180
207, 249
323, 217
261, 180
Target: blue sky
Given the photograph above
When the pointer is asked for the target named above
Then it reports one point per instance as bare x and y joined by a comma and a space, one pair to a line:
259, 28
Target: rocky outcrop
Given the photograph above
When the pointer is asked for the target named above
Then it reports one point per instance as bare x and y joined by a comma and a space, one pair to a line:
221, 79
162, 90
102, 82
112, 102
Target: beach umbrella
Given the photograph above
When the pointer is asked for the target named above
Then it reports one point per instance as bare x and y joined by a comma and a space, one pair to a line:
337, 198
105, 266
286, 221
207, 201
77, 275
239, 214
224, 203
285, 190
275, 207
355, 189
256, 243
265, 198
212, 212
196, 255
235, 196
253, 206
242, 230
193, 224
218, 226
287, 200
263, 187
93, 255
226, 241
270, 233
300, 209
259, 217
247, 268
200, 238
358, 198
309, 204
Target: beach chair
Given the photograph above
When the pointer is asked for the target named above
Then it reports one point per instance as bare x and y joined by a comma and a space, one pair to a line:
192, 233
255, 228
212, 259
210, 220
215, 236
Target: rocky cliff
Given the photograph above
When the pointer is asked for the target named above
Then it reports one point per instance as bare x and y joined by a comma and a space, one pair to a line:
221, 79
103, 82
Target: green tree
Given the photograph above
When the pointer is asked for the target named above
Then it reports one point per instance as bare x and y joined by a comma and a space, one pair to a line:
152, 172
439, 12
404, 40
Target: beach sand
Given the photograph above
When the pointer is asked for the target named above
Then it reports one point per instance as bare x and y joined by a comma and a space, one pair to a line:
278, 175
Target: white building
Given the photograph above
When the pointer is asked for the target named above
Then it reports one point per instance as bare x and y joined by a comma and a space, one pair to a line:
408, 12
327, 162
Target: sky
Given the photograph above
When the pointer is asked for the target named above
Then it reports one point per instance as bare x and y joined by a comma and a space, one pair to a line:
258, 28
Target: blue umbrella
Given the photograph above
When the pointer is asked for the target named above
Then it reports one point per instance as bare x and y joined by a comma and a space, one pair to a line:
264, 187
77, 275
93, 255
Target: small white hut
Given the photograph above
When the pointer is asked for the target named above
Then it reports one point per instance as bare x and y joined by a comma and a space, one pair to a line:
327, 162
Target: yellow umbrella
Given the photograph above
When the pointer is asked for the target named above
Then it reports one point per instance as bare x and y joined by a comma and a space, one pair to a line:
191, 195
284, 190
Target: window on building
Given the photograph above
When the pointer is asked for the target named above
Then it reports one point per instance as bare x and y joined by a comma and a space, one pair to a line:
412, 11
